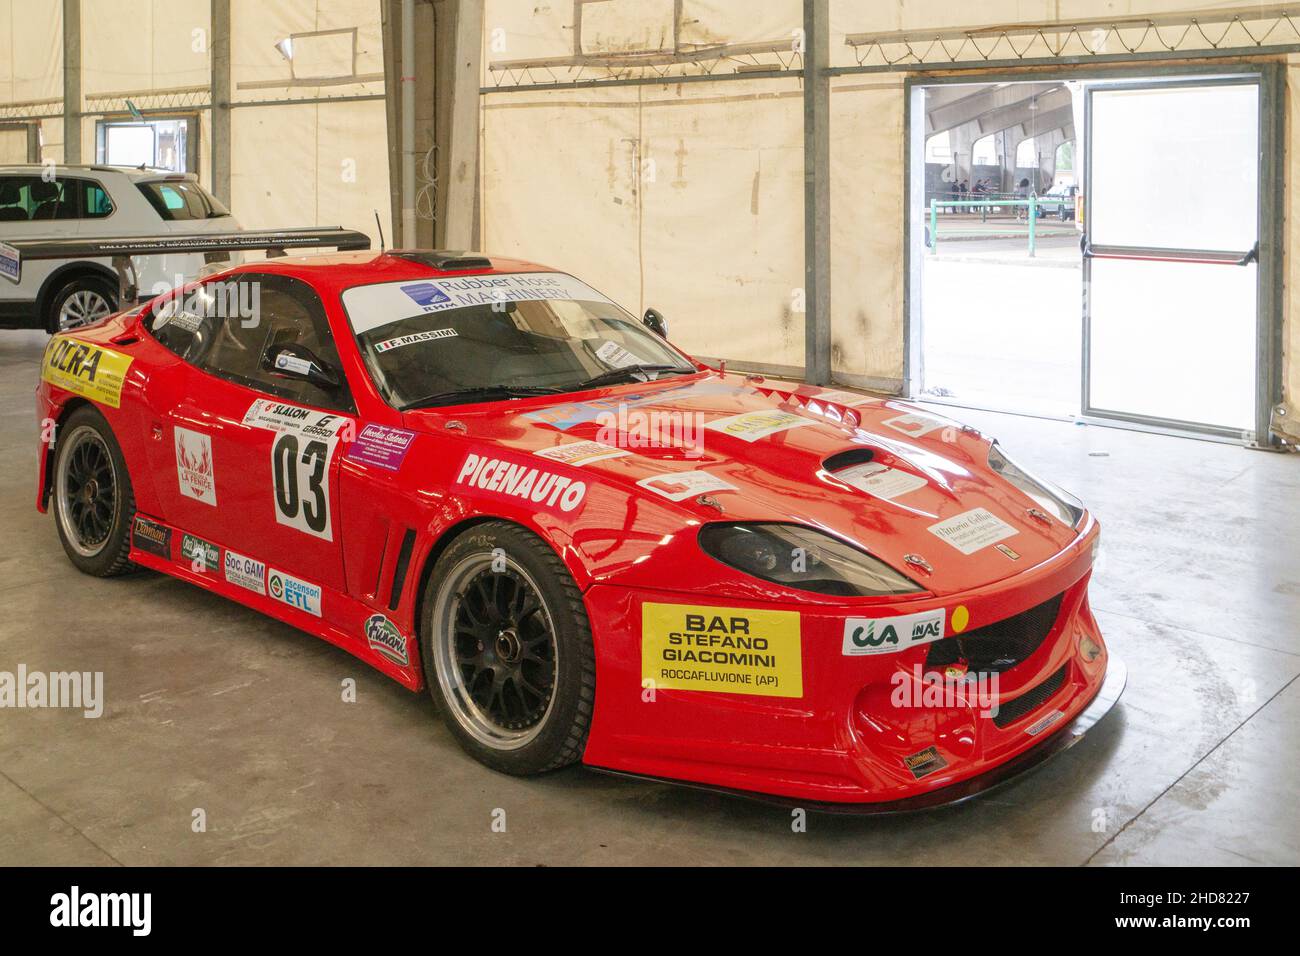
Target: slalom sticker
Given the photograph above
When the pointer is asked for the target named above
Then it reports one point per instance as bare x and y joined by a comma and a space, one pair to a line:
300, 457
721, 649
972, 530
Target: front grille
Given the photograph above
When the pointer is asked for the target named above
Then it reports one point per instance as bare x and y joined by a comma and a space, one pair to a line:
1031, 699
998, 647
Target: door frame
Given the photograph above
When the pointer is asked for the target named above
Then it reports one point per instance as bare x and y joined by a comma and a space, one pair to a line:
1270, 74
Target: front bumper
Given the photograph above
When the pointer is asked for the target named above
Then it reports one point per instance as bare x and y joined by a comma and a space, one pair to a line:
843, 737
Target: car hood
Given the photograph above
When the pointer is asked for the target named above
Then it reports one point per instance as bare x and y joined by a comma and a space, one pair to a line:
787, 453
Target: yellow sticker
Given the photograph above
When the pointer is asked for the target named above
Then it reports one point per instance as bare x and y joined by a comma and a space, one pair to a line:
87, 370
721, 649
960, 618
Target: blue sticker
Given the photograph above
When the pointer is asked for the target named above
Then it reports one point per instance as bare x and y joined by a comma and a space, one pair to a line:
425, 294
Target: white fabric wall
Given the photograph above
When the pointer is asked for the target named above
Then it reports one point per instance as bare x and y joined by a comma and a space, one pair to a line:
31, 50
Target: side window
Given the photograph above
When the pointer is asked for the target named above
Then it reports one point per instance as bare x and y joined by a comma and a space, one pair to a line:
48, 199
95, 203
12, 195
257, 312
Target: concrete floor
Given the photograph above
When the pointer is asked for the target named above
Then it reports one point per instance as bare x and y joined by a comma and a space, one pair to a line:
212, 706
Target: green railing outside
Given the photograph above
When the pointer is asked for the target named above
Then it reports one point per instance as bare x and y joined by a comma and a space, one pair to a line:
1033, 203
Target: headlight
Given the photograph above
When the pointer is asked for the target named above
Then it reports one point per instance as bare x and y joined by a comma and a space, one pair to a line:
1054, 500
802, 559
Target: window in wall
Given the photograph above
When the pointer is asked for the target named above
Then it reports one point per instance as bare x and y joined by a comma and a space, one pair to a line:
938, 148
984, 152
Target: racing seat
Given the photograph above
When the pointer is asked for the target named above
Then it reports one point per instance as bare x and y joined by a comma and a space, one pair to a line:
10, 211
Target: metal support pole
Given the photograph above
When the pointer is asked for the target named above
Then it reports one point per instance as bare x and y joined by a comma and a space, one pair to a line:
407, 70
221, 87
817, 192
934, 226
71, 81
1033, 223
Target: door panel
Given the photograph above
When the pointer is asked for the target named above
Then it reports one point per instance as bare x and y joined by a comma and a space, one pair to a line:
1171, 276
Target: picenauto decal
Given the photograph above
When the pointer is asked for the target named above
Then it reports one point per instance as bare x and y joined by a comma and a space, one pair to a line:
86, 370
886, 635
384, 638
721, 649
504, 477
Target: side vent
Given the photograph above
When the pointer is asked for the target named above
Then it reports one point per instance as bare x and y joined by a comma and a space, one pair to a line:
403, 565
847, 459
445, 261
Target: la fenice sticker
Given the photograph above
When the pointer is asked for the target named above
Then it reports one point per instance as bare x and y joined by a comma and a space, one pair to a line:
381, 446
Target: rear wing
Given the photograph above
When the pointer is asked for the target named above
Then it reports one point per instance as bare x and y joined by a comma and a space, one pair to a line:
121, 249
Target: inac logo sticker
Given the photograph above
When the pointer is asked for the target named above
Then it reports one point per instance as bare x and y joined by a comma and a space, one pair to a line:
887, 635
511, 479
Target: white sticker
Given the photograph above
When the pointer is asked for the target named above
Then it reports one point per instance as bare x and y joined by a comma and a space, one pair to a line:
504, 477
372, 306
847, 399
579, 453
300, 462
194, 466
292, 363
913, 426
888, 635
246, 572
751, 426
615, 356
970, 531
294, 592
11, 263
879, 480
415, 337
1042, 723
684, 484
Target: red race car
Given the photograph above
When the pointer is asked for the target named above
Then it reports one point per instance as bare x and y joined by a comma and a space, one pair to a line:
482, 477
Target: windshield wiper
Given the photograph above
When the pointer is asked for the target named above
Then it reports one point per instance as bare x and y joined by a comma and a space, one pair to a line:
481, 393
627, 373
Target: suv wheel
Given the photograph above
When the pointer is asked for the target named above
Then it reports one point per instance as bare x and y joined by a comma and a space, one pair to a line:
82, 301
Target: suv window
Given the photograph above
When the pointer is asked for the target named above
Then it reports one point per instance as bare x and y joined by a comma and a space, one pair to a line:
179, 200
31, 198
226, 327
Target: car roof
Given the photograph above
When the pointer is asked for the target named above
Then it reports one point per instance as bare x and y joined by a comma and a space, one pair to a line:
336, 271
134, 173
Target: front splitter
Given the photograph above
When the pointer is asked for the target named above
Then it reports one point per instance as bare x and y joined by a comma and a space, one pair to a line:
1061, 740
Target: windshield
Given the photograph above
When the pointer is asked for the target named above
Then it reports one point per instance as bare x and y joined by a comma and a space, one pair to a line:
545, 331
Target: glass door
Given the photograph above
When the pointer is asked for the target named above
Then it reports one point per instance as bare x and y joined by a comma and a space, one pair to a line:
1171, 242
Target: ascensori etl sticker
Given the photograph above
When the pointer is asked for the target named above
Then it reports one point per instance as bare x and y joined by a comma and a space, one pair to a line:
294, 592
721, 649
888, 635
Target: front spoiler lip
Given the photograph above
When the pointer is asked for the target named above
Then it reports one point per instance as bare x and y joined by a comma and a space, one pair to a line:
1060, 740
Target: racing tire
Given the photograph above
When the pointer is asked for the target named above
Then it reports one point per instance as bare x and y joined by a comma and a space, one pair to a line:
507, 650
92, 500
83, 301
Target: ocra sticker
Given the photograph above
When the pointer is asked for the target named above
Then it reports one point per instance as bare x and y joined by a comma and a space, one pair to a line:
86, 370
721, 649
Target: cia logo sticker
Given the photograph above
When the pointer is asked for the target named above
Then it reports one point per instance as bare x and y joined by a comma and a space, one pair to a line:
885, 635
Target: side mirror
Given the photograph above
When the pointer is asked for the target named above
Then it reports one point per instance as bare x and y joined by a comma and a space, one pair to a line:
294, 361
654, 321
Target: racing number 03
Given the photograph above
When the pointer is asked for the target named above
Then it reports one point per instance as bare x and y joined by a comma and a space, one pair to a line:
300, 470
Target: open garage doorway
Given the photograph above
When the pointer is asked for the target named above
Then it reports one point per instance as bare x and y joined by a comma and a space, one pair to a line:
1089, 248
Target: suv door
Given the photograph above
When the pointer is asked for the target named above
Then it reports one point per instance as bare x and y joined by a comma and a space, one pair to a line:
254, 450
